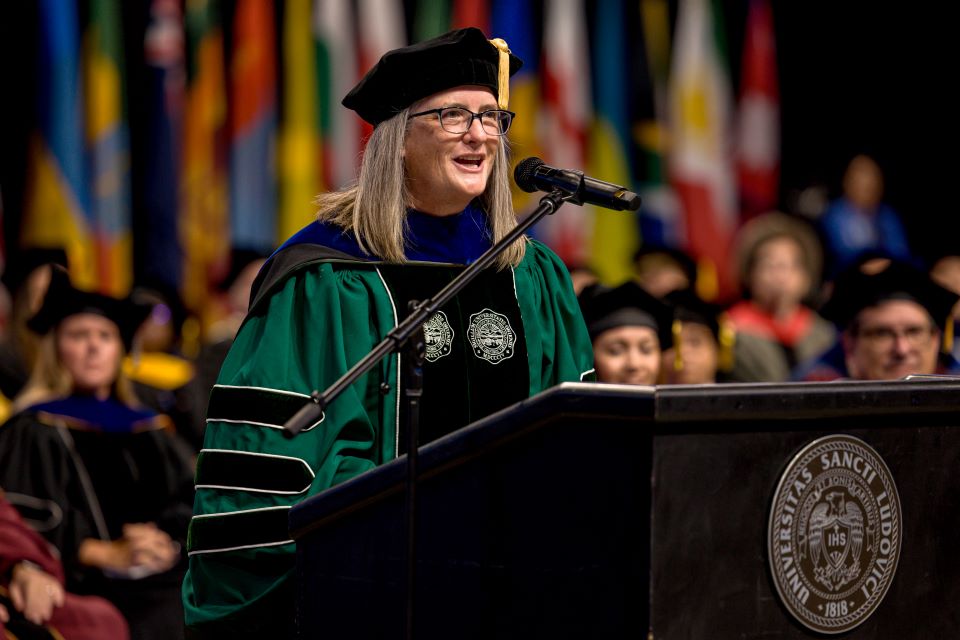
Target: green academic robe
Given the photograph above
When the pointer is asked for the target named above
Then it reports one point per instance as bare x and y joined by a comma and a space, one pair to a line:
311, 320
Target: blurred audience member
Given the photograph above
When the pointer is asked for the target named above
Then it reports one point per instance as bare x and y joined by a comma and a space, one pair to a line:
235, 300
660, 270
235, 293
703, 341
582, 277
629, 329
779, 260
161, 374
33, 601
26, 278
946, 273
104, 481
859, 221
893, 326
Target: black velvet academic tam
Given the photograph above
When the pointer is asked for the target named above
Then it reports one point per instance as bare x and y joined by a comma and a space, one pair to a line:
856, 291
628, 305
63, 300
408, 74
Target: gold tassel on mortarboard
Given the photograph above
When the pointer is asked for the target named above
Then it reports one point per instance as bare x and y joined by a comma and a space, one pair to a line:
728, 339
503, 78
948, 335
677, 329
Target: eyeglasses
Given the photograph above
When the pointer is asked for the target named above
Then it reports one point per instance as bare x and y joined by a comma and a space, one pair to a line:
458, 120
885, 337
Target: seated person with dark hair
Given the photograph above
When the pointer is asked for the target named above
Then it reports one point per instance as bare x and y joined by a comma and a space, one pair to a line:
629, 330
703, 341
893, 326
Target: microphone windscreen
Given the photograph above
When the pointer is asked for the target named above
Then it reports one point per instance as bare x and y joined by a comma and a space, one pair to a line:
524, 173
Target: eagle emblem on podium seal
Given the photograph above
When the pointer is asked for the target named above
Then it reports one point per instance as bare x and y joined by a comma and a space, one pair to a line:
491, 336
438, 336
833, 538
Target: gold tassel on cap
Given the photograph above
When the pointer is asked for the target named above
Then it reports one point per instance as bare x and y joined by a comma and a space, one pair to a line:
503, 78
948, 335
677, 330
728, 339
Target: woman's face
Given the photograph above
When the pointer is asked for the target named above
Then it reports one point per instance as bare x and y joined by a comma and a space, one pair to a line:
698, 353
445, 171
89, 348
779, 279
627, 355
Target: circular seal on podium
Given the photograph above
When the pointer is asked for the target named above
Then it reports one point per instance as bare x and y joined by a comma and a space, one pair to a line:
834, 534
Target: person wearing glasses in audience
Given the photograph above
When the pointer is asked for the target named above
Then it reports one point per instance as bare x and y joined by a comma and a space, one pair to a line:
894, 323
432, 195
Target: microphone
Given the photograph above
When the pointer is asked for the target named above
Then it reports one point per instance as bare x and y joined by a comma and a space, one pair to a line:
532, 175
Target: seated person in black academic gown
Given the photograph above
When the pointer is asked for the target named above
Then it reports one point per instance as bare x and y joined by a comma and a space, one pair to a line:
163, 377
703, 341
630, 329
893, 323
104, 481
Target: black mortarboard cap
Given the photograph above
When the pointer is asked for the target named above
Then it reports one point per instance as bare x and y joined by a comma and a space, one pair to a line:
855, 290
405, 75
688, 307
22, 264
63, 300
606, 308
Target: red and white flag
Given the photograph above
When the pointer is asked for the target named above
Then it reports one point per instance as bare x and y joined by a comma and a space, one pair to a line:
701, 152
565, 119
381, 29
758, 130
333, 28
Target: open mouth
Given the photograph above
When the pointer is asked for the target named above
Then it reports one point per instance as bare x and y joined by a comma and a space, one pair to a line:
472, 162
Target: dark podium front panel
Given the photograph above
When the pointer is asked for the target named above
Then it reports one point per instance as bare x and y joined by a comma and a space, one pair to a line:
601, 511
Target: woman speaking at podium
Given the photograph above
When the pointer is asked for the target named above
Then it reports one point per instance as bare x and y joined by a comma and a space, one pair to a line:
432, 195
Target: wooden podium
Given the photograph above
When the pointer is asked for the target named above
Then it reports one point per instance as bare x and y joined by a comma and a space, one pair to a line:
606, 511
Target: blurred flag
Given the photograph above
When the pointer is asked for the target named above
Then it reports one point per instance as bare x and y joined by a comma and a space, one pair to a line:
108, 147
614, 238
513, 22
432, 19
56, 203
758, 143
701, 163
565, 121
660, 220
337, 74
471, 13
299, 141
253, 126
166, 76
382, 28
204, 223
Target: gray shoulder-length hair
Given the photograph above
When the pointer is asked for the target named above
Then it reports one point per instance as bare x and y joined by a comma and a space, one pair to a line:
375, 208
